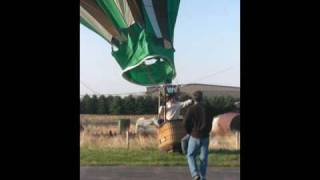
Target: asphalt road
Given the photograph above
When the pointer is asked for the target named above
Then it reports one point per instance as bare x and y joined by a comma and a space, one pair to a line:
153, 173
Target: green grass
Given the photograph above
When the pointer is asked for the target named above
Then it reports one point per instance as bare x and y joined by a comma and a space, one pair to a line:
152, 157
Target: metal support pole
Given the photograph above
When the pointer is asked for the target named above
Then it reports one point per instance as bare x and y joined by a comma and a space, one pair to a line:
127, 133
237, 140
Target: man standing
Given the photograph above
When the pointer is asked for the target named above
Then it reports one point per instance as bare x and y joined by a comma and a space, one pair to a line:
199, 127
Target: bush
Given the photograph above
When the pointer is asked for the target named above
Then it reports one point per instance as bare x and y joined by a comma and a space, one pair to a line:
147, 105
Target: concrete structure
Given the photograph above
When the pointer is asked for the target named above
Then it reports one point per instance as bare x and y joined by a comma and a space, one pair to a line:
208, 90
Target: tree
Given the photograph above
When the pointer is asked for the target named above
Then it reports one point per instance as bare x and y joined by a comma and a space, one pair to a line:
107, 104
116, 106
140, 105
220, 104
150, 105
86, 104
81, 107
94, 104
101, 107
129, 105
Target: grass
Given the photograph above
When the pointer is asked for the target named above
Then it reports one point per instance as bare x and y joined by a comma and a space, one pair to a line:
97, 137
119, 142
151, 157
97, 148
101, 119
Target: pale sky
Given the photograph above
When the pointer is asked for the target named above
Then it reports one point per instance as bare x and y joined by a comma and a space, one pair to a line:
207, 43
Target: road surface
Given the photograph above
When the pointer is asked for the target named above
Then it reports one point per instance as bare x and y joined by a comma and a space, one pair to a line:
153, 173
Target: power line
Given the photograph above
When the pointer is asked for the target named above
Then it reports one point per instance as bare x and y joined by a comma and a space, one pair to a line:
141, 93
212, 74
121, 94
107, 94
85, 85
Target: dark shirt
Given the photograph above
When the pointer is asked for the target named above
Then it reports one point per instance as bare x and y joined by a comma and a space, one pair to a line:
197, 122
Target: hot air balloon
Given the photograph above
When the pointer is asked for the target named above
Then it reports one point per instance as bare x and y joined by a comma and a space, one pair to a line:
141, 35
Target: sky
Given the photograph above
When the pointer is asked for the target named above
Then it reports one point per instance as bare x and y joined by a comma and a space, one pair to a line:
207, 44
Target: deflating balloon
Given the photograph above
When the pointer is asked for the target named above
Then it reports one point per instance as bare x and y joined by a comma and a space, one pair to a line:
141, 35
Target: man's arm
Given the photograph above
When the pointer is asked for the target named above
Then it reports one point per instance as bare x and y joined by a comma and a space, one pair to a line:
186, 103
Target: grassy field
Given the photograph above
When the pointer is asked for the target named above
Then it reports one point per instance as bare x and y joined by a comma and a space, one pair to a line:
152, 157
109, 119
97, 147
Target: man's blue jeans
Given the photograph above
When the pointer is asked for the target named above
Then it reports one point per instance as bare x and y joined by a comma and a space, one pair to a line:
184, 144
196, 146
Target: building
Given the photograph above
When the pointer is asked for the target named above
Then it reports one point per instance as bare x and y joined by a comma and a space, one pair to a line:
208, 90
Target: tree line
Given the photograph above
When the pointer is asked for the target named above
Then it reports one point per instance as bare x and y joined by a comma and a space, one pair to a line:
131, 105
116, 105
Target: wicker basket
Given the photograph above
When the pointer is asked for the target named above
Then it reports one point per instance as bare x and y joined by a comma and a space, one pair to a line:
170, 135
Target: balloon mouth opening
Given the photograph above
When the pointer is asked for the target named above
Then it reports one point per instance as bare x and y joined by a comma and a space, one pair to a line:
114, 48
148, 64
153, 59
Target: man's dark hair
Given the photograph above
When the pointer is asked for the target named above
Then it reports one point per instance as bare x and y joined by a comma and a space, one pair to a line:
197, 96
